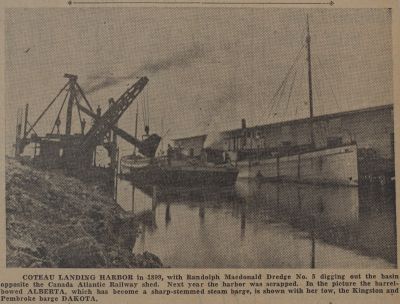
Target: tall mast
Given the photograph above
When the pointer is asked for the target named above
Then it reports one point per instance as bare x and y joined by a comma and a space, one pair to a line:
310, 91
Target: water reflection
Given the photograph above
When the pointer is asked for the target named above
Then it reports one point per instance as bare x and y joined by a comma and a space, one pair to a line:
269, 225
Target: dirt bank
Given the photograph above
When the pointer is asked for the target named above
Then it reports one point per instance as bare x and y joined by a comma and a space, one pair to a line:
58, 221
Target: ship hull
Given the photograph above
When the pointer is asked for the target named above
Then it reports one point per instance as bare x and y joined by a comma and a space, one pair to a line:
336, 165
181, 176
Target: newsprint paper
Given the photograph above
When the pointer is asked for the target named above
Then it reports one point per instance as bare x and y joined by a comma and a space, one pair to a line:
199, 151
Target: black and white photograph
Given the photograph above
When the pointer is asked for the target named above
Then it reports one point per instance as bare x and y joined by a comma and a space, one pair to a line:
199, 137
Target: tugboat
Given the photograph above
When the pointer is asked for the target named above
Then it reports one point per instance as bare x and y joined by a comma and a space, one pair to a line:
177, 169
174, 169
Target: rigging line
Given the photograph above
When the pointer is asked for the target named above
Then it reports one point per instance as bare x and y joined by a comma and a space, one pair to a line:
303, 34
165, 133
59, 112
146, 100
79, 111
302, 74
290, 91
290, 69
136, 115
319, 93
148, 108
326, 76
286, 77
84, 96
147, 105
143, 112
280, 97
48, 106
283, 88
276, 100
30, 126
136, 124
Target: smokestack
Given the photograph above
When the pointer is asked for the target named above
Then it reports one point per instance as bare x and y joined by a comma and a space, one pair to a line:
243, 123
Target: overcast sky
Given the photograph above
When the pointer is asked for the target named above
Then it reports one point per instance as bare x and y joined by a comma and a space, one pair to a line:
208, 67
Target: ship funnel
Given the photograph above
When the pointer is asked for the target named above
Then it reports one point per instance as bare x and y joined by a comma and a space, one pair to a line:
243, 123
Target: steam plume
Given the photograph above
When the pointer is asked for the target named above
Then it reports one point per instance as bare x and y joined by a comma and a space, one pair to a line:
180, 59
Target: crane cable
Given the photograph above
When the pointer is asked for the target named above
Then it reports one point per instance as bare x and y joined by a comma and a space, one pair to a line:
145, 108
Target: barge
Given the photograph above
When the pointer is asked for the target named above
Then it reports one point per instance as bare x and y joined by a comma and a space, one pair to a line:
177, 172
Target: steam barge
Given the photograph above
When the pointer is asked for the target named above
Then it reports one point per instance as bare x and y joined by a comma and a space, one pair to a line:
184, 172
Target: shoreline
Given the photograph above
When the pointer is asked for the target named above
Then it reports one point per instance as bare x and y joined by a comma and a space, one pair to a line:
56, 221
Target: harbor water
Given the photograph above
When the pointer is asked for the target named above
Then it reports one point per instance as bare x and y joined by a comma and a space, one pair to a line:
265, 225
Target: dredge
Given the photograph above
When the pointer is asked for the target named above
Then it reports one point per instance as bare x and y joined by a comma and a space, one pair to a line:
76, 153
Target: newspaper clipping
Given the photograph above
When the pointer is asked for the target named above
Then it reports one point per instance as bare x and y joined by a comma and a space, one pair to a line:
199, 151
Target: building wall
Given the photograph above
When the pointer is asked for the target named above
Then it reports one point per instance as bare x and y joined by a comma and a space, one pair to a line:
373, 130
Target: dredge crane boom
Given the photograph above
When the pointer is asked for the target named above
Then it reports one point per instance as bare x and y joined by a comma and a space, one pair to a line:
104, 123
108, 120
147, 147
